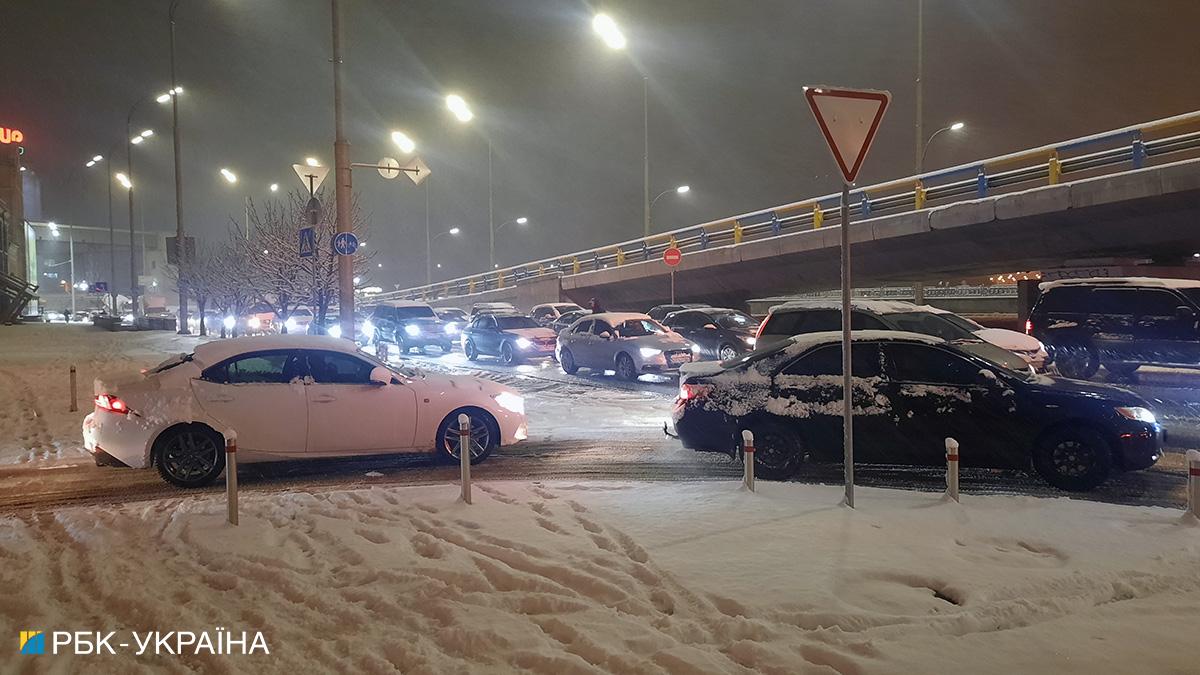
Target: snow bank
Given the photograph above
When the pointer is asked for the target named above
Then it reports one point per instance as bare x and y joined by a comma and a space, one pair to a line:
603, 577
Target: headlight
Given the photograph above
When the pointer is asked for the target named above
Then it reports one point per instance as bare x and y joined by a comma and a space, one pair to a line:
695, 349
750, 341
412, 330
368, 328
334, 331
229, 322
254, 322
524, 343
1138, 413
511, 402
290, 324
451, 328
649, 352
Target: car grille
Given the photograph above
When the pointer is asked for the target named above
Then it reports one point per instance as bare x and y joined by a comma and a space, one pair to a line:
677, 357
544, 341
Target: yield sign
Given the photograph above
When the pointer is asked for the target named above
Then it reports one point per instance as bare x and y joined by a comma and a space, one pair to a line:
848, 119
311, 176
417, 170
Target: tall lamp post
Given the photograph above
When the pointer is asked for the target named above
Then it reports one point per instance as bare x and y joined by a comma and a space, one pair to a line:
610, 33
681, 190
515, 221
132, 140
112, 243
173, 96
462, 112
956, 126
429, 252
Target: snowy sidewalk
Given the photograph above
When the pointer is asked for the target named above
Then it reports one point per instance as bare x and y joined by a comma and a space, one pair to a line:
610, 577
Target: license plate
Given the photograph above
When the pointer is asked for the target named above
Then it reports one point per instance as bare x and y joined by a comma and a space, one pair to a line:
677, 359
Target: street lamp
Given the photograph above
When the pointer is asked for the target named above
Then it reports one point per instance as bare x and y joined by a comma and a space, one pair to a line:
232, 179
454, 231
274, 187
956, 126
402, 140
462, 112
681, 190
132, 141
608, 30
519, 221
459, 107
312, 161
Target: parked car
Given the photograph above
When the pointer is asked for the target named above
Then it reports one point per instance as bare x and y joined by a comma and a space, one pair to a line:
911, 392
1025, 346
289, 397
548, 313
565, 320
629, 343
722, 334
212, 321
408, 324
455, 320
493, 308
299, 320
259, 319
815, 316
512, 337
660, 312
1121, 323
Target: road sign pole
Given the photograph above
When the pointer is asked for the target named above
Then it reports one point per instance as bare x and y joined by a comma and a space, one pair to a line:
342, 184
847, 390
672, 285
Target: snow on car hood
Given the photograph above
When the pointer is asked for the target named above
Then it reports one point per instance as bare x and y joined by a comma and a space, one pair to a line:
1009, 339
531, 333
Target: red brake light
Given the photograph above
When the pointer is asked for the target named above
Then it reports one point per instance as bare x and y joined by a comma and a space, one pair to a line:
112, 404
688, 392
1028, 326
761, 326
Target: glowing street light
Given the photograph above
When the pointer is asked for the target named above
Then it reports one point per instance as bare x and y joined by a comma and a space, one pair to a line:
522, 220
458, 105
609, 31
274, 187
454, 230
312, 161
956, 126
404, 142
124, 181
229, 176
683, 189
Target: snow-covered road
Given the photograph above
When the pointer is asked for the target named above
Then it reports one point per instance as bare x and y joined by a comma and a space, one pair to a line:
590, 427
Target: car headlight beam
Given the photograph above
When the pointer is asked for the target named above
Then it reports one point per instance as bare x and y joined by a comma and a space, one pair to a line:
412, 330
523, 343
649, 352
1138, 413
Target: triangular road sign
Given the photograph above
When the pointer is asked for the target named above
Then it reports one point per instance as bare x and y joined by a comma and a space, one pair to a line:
421, 170
848, 119
311, 176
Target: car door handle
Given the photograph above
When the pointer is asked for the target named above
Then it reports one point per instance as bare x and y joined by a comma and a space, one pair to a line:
323, 398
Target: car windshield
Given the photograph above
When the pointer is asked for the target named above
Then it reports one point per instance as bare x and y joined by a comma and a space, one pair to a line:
511, 322
772, 350
1192, 294
452, 314
962, 322
406, 371
403, 313
639, 328
735, 321
1002, 359
928, 323
302, 312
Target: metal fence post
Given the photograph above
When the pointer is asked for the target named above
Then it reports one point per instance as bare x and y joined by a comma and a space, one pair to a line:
952, 468
464, 455
1193, 457
748, 459
231, 486
74, 395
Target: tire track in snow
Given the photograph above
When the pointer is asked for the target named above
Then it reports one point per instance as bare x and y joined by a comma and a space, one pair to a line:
21, 418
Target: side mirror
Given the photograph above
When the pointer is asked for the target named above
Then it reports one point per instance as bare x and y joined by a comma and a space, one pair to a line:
1184, 312
381, 376
986, 378
710, 326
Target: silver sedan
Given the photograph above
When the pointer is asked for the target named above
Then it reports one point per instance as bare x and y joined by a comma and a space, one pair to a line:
628, 343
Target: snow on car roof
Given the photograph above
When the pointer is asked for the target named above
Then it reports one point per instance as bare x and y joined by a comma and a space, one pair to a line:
876, 306
403, 303
1121, 281
216, 351
619, 317
833, 336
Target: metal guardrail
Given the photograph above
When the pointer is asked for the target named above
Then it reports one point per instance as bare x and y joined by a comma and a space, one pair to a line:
1046, 165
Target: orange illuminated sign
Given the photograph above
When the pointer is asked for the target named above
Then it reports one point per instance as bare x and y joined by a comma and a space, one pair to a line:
11, 135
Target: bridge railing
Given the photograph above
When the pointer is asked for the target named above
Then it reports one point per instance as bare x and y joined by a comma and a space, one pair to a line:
1109, 152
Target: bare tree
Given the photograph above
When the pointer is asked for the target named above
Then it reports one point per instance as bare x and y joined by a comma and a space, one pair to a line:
197, 275
231, 283
275, 258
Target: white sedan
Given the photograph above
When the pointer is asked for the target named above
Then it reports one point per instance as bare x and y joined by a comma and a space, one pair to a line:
289, 397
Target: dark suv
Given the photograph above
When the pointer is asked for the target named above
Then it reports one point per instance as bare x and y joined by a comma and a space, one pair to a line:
1119, 323
408, 324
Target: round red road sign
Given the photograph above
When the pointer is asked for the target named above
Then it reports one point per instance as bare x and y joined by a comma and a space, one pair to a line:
672, 256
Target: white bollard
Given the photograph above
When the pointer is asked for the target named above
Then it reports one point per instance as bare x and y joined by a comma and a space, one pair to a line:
1193, 457
231, 488
464, 454
952, 468
748, 459
74, 395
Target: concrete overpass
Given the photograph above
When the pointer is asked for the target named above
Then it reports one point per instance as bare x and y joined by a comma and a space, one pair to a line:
1151, 212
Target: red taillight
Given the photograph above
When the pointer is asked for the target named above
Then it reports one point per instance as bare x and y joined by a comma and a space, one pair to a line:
1028, 326
761, 326
112, 404
688, 392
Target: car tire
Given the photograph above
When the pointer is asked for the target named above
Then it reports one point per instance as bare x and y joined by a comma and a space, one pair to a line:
470, 350
625, 368
567, 360
1077, 361
507, 356
446, 347
778, 452
1122, 369
189, 455
726, 352
485, 435
1073, 458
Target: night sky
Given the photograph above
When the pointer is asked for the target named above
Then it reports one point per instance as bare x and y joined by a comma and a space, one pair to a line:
564, 112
